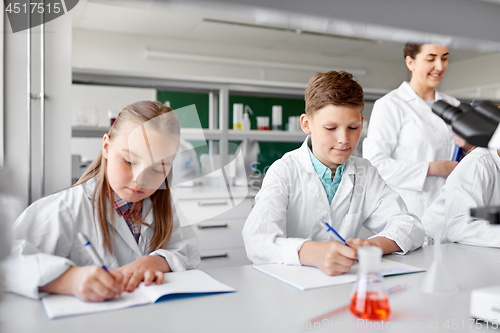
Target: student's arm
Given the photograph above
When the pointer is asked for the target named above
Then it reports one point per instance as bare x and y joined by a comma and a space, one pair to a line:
44, 239
475, 183
90, 284
381, 141
387, 245
386, 216
264, 233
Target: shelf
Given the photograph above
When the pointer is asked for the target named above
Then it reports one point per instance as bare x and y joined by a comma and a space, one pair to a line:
274, 136
195, 134
88, 131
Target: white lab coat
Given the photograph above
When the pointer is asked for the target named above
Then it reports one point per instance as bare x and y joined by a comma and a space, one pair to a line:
46, 244
404, 135
292, 202
475, 182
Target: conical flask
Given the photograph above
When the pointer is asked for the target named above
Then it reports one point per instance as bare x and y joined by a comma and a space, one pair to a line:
369, 299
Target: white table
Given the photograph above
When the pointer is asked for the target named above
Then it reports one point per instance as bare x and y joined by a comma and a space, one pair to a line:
265, 304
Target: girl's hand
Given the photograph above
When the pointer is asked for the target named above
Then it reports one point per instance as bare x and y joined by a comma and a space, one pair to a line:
90, 284
332, 258
147, 268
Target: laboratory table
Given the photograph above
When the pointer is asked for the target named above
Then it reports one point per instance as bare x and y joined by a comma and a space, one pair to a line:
265, 304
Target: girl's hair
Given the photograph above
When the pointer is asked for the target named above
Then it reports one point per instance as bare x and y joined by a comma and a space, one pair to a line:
138, 112
412, 50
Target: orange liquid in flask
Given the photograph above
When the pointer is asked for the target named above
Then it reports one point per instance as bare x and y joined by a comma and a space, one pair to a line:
372, 306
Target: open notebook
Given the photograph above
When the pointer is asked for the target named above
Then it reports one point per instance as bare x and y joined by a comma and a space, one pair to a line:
306, 277
191, 282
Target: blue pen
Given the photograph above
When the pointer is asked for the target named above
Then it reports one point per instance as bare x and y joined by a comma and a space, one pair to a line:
91, 251
456, 154
328, 227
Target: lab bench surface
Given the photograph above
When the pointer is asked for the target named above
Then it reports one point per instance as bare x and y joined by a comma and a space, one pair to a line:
264, 304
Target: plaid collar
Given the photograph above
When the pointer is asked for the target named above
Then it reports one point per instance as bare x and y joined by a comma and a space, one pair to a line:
122, 207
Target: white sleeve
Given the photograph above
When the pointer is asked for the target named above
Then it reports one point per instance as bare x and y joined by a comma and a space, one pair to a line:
43, 238
386, 215
264, 232
470, 185
182, 251
380, 142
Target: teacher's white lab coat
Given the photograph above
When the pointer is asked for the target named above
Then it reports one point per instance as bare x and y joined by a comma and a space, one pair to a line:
46, 244
404, 136
475, 182
292, 202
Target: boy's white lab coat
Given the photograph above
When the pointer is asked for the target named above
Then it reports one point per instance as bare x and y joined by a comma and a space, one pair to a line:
475, 182
292, 202
404, 135
46, 244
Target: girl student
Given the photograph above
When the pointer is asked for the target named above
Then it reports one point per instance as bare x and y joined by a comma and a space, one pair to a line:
411, 146
122, 203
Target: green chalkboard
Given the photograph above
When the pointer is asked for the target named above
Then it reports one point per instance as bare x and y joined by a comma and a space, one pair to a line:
260, 105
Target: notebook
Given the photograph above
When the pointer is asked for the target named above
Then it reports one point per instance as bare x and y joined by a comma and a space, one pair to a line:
306, 277
191, 282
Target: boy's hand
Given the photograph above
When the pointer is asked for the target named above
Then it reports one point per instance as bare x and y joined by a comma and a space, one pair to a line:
147, 268
332, 258
356, 243
90, 284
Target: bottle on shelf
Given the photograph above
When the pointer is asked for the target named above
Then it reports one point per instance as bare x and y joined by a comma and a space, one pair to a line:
237, 116
263, 123
277, 122
246, 118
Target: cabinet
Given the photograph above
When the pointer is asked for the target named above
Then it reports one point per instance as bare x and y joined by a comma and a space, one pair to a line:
217, 219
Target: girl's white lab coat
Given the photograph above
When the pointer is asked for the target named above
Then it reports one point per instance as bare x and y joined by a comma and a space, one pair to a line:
475, 182
404, 135
46, 242
292, 202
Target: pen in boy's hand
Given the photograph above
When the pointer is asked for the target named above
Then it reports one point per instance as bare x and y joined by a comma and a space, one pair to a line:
329, 228
91, 251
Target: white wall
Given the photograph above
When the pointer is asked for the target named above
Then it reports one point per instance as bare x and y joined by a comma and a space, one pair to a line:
100, 99
121, 53
477, 78
14, 175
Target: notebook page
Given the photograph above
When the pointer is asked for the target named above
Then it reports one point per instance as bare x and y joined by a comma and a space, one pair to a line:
306, 277
185, 282
57, 306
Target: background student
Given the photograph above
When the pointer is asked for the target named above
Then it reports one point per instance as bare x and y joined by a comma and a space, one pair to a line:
412, 147
475, 182
321, 182
122, 204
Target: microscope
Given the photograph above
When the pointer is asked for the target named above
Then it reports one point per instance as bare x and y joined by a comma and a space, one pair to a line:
479, 125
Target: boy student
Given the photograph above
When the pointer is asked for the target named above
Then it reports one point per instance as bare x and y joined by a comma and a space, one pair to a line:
321, 182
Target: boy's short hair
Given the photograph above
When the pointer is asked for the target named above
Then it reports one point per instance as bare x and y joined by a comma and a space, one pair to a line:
333, 88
